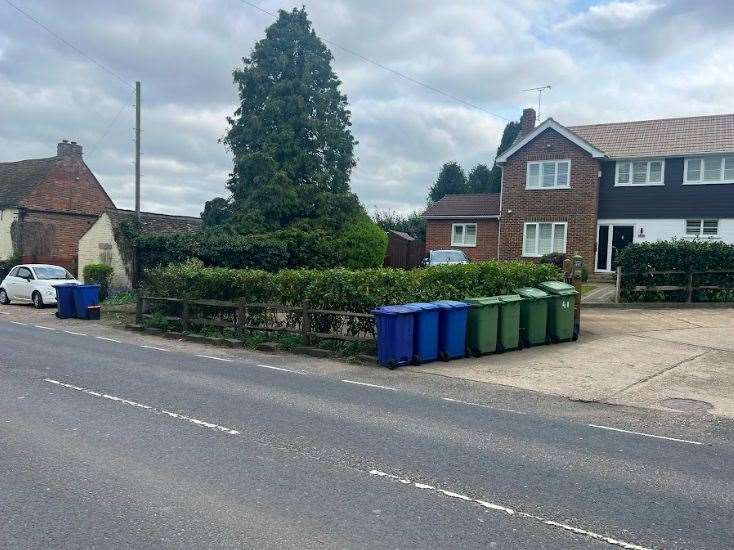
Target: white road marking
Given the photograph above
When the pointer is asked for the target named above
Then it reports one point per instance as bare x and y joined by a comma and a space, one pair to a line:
19, 323
646, 435
123, 401
155, 348
44, 328
215, 358
74, 333
480, 405
4, 313
510, 511
369, 385
281, 369
108, 339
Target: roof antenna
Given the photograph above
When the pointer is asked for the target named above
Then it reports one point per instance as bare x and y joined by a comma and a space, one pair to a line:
540, 90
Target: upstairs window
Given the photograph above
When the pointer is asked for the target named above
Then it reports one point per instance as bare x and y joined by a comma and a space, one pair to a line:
709, 170
639, 172
464, 234
551, 174
702, 228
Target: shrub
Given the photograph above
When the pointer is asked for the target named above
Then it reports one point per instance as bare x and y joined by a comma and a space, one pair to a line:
343, 289
99, 274
7, 265
638, 260
555, 258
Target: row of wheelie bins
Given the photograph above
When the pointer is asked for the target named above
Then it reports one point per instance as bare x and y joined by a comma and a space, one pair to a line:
446, 329
77, 301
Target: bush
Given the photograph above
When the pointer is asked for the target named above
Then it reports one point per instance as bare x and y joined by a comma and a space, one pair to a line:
554, 258
7, 265
99, 274
343, 289
638, 260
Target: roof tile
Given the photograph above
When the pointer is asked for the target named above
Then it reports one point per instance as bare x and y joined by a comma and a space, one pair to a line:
465, 206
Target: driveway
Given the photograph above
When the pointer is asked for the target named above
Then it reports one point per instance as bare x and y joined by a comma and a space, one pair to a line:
672, 359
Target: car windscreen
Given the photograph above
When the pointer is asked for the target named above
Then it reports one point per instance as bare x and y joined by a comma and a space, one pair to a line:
447, 256
51, 272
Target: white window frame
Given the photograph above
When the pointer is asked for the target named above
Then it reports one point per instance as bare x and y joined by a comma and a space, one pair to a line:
463, 234
702, 181
536, 253
555, 185
701, 234
647, 183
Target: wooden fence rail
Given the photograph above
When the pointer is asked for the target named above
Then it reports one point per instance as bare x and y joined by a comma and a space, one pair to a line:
689, 287
303, 320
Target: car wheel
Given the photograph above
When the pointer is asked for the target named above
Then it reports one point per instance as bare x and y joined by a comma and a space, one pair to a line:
37, 300
4, 300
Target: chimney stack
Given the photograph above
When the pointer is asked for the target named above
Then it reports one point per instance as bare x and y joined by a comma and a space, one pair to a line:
68, 149
527, 122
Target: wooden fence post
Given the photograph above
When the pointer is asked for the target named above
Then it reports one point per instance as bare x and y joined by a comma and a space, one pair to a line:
185, 316
139, 307
306, 322
690, 287
618, 286
241, 314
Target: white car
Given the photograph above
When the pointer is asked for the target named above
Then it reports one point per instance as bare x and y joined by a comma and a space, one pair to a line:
34, 283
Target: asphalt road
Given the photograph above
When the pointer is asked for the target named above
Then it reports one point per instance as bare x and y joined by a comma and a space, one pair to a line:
106, 443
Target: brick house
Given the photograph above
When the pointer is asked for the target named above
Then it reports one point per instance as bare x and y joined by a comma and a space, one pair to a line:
47, 204
595, 189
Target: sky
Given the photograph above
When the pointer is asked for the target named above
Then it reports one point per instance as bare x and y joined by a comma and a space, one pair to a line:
606, 62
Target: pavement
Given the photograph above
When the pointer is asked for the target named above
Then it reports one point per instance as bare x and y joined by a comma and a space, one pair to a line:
115, 439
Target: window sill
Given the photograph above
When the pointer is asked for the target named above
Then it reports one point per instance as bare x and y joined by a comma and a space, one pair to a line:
639, 185
464, 245
547, 188
728, 182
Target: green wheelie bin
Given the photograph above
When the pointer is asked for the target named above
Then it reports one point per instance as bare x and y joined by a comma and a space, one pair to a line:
481, 330
533, 316
509, 322
560, 310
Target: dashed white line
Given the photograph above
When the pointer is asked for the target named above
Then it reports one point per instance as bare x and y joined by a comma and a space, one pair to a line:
108, 339
155, 348
19, 323
646, 434
44, 328
509, 511
281, 369
4, 313
369, 385
452, 400
150, 408
74, 333
215, 358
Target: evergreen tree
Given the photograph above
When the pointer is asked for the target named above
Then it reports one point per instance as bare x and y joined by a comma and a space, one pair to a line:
512, 129
290, 136
480, 179
451, 181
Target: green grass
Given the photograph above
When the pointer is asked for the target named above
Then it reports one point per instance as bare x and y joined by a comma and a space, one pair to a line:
586, 288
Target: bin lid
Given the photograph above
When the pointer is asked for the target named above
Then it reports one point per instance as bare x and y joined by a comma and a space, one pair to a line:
558, 288
392, 310
421, 306
530, 293
451, 304
509, 298
483, 301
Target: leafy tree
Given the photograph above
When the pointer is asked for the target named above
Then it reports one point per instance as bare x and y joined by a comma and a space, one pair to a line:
512, 129
480, 179
414, 224
451, 181
290, 136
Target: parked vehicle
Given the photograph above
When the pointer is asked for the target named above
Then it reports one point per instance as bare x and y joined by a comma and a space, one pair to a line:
34, 283
445, 257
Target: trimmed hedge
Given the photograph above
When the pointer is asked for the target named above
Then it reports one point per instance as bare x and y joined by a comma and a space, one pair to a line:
346, 290
99, 274
638, 260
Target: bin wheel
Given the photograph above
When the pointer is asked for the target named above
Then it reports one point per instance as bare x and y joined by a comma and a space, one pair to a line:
391, 365
521, 345
443, 356
548, 341
555, 339
500, 348
417, 359
473, 353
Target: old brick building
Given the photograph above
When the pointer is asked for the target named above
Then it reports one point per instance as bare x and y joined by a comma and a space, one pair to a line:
47, 204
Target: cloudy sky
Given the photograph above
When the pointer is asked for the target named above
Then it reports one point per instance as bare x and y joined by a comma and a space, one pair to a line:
607, 61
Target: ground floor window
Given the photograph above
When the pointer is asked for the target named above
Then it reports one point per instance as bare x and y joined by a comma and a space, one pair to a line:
464, 234
701, 228
542, 238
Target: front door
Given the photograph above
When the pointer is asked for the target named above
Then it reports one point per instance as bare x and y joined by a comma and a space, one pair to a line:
610, 240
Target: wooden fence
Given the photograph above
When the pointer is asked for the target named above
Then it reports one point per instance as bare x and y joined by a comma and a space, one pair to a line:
266, 317
691, 279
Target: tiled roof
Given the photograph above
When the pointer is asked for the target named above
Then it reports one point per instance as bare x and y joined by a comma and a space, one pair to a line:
154, 223
465, 206
664, 137
17, 179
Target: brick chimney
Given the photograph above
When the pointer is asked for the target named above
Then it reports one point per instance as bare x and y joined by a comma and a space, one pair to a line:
68, 149
527, 122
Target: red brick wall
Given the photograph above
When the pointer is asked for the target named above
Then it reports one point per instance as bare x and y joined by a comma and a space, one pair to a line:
577, 205
438, 237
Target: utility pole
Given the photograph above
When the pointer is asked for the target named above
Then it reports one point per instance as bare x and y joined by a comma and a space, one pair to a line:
137, 150
540, 90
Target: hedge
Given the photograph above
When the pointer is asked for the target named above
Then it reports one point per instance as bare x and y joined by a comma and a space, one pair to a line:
343, 289
99, 274
638, 260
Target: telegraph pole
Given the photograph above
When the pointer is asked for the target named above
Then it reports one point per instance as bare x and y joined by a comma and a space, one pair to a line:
137, 150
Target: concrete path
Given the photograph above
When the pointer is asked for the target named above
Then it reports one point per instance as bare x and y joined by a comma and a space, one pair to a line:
603, 293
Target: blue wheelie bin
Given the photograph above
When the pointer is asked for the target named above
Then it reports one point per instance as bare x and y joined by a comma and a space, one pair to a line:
85, 296
452, 320
394, 326
425, 332
65, 308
